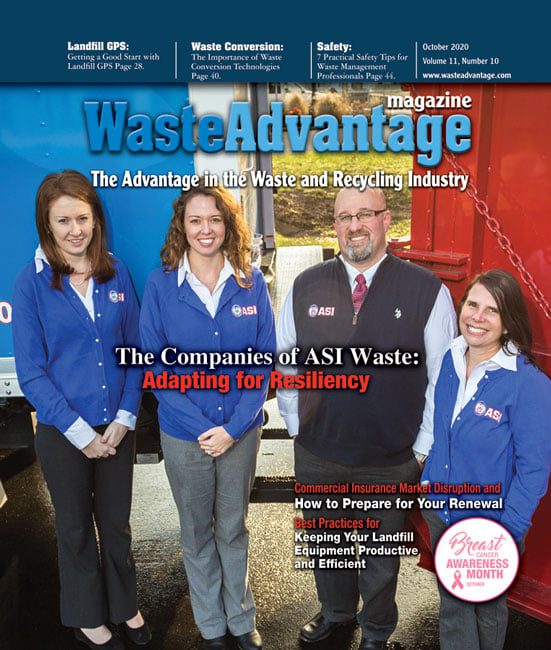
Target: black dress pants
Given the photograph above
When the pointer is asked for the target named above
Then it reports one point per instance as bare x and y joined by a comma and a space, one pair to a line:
97, 585
339, 590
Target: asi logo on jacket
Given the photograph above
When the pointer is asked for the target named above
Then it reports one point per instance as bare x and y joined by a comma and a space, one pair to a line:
314, 311
487, 411
248, 310
116, 296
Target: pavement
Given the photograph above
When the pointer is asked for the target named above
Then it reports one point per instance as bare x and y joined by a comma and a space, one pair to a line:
285, 597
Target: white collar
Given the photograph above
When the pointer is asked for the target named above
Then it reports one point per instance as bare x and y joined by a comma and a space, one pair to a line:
506, 360
184, 269
39, 259
368, 274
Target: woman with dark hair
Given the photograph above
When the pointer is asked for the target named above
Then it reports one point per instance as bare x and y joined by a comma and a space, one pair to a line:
72, 305
489, 370
208, 298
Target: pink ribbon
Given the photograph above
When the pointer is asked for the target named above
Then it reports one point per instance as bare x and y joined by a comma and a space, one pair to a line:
457, 582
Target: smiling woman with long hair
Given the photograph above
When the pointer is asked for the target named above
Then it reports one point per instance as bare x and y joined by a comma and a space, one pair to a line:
208, 298
72, 305
489, 367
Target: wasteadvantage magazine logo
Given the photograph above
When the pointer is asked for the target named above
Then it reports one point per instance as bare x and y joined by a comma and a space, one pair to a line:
476, 560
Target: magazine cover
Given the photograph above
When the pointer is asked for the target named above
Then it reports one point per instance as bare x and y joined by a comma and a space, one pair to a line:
275, 342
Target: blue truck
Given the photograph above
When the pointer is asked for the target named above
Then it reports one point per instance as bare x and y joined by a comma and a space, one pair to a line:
43, 129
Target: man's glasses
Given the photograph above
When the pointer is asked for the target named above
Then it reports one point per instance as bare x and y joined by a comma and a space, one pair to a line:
363, 216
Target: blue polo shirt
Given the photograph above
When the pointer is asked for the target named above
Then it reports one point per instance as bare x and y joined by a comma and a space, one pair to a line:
501, 435
65, 360
173, 315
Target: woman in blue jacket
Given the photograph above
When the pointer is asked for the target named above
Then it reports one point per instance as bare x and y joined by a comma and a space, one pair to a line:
208, 298
72, 305
491, 425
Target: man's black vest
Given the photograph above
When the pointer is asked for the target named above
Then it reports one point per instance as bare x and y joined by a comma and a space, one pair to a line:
377, 427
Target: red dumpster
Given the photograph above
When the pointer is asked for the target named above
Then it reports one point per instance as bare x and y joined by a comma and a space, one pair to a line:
501, 221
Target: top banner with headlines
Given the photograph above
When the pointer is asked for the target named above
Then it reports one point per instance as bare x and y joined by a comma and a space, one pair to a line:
360, 47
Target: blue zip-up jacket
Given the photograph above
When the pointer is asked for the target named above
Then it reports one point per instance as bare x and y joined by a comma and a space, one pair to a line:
174, 316
501, 435
66, 364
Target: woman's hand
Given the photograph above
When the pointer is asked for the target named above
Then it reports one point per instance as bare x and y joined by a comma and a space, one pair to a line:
98, 449
114, 433
215, 441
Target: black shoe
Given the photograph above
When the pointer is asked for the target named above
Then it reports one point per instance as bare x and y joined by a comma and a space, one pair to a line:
114, 642
249, 641
320, 628
138, 635
371, 644
219, 643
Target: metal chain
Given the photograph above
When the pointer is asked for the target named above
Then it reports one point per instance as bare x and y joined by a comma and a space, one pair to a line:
495, 227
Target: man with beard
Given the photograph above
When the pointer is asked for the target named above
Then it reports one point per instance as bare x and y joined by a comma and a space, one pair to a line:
365, 297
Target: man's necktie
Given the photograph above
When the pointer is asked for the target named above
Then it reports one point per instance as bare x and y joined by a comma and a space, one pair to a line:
359, 293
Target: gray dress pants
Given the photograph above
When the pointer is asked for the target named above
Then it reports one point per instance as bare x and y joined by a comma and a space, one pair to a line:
212, 497
464, 625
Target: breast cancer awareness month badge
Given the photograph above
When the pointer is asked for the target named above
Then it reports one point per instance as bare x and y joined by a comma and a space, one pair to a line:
476, 559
